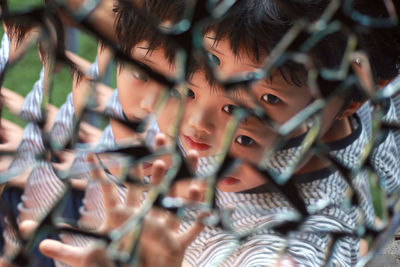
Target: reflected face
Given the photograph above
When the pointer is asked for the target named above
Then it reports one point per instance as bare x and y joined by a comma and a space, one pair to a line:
206, 115
249, 143
138, 94
243, 178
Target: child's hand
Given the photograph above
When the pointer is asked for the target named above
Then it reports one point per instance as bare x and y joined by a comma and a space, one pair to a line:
10, 137
94, 255
11, 100
88, 134
161, 243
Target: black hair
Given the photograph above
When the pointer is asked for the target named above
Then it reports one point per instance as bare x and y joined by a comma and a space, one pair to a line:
132, 28
381, 43
256, 26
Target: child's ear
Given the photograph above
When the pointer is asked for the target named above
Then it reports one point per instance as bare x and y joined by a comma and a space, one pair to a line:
350, 110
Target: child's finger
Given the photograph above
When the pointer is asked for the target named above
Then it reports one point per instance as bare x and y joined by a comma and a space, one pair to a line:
134, 191
133, 196
160, 141
192, 158
96, 170
64, 253
110, 195
5, 263
97, 257
172, 221
158, 170
196, 192
190, 235
27, 227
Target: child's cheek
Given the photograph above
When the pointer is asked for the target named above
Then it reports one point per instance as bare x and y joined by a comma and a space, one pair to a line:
167, 118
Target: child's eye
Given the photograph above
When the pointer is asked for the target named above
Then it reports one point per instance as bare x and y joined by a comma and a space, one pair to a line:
244, 140
174, 93
140, 75
213, 58
190, 94
141, 71
271, 99
229, 108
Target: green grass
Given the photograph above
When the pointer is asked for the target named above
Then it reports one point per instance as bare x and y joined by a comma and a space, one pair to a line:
19, 5
22, 75
377, 200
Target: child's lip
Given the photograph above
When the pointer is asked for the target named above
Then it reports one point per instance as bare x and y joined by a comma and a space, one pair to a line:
229, 180
195, 144
146, 165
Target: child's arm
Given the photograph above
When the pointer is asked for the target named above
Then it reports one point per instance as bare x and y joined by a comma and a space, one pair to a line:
102, 92
101, 18
13, 102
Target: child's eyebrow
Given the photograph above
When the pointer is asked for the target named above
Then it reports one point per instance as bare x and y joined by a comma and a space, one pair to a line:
212, 47
144, 57
269, 84
252, 65
216, 51
192, 84
252, 124
146, 48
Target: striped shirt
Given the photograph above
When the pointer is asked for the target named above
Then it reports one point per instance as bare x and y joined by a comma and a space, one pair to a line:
309, 245
257, 213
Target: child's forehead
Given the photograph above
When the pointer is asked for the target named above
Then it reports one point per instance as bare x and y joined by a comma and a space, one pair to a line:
243, 54
155, 58
144, 50
238, 95
256, 129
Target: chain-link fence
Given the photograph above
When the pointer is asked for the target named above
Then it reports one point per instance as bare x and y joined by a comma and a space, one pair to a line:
239, 133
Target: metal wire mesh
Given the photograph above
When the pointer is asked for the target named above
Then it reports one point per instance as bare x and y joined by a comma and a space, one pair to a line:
312, 199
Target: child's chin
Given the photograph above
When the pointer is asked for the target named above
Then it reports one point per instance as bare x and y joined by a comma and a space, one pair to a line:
228, 189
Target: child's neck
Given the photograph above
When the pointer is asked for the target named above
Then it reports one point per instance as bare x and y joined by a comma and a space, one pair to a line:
339, 130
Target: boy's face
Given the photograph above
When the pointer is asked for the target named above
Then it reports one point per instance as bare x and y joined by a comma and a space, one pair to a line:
206, 115
138, 93
280, 99
207, 112
248, 143
281, 102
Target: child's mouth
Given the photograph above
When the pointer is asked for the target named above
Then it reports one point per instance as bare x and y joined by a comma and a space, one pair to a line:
146, 165
195, 145
229, 181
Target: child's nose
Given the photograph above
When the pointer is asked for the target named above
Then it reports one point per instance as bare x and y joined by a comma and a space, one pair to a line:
203, 120
149, 101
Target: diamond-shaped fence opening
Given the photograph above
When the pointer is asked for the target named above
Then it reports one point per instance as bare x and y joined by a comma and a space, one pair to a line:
239, 133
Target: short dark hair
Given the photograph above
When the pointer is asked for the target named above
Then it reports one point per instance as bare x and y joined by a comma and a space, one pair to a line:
132, 28
264, 23
256, 26
381, 43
